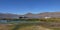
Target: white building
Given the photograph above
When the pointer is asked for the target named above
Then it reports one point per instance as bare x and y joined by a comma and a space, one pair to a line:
47, 17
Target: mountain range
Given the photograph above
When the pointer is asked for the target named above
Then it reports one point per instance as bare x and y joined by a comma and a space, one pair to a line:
44, 14
8, 15
31, 15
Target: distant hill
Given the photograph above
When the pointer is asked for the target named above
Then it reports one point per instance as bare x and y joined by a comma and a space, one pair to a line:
45, 14
31, 15
8, 15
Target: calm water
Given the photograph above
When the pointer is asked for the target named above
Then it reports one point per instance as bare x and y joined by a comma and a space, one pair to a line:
15, 22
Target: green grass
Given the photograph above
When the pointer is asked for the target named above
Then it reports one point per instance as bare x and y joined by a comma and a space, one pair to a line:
22, 26
55, 28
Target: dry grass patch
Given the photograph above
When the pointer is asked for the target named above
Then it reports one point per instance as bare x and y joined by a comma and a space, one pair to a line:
34, 28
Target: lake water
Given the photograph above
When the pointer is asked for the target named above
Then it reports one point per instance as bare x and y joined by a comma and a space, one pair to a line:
15, 22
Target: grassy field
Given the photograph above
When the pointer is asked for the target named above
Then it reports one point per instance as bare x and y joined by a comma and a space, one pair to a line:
45, 24
28, 27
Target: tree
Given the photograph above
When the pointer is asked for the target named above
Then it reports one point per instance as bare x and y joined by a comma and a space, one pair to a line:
20, 17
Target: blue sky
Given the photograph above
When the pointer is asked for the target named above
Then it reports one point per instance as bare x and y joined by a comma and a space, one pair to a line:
25, 6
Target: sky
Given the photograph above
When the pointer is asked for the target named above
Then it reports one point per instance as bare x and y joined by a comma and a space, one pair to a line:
29, 6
